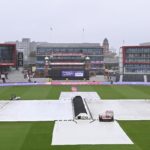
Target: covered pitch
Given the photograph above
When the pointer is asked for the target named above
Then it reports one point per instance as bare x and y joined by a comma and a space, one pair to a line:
51, 110
66, 130
83, 132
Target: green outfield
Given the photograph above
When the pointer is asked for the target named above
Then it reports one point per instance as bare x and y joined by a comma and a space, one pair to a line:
53, 92
38, 135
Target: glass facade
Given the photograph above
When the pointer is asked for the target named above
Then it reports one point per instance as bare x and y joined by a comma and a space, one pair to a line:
137, 55
87, 51
138, 50
137, 68
6, 54
137, 60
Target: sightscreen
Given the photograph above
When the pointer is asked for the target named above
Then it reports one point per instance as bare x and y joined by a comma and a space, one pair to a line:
72, 73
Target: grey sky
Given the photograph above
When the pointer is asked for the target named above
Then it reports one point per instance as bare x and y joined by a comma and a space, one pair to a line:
64, 20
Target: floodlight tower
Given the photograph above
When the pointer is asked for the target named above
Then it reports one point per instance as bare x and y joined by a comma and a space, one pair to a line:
46, 66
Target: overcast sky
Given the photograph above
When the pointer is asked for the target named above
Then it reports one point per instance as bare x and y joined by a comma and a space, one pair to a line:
76, 21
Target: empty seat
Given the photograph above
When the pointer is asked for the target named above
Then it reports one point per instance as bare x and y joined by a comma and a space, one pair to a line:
133, 78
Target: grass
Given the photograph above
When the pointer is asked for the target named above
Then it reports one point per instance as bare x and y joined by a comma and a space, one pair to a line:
53, 92
139, 133
33, 92
38, 136
25, 135
119, 91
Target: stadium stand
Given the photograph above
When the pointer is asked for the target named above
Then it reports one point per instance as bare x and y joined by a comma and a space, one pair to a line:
148, 78
117, 77
133, 78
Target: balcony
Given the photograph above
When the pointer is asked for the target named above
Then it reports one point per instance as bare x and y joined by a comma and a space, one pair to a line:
97, 62
67, 54
66, 63
7, 62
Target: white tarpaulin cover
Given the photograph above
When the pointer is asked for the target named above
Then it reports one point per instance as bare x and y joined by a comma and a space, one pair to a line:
46, 110
83, 132
36, 110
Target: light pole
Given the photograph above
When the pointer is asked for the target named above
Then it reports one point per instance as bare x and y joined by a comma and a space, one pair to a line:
87, 63
87, 66
46, 66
